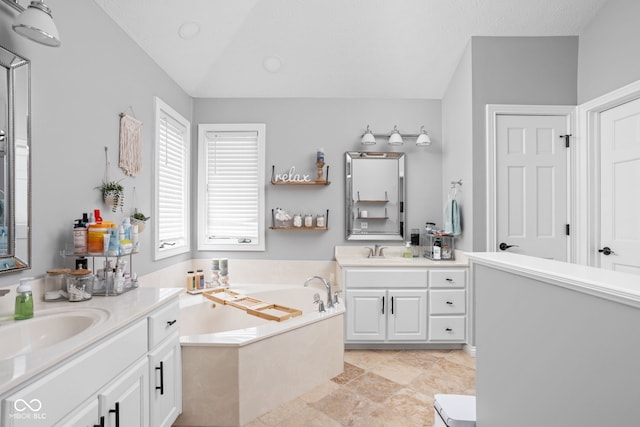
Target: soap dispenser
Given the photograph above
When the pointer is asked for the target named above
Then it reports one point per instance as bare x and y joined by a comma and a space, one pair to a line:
24, 300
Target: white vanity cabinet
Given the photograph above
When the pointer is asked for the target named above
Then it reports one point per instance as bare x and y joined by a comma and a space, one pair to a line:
407, 305
386, 305
112, 382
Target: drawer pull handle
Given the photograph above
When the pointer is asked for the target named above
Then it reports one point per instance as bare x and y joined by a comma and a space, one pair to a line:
448, 329
101, 422
171, 322
161, 386
449, 302
117, 412
449, 279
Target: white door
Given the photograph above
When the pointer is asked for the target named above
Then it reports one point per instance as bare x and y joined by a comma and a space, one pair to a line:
620, 177
407, 315
366, 315
531, 185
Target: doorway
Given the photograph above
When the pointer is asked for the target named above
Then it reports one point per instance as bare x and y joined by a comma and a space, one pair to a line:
529, 180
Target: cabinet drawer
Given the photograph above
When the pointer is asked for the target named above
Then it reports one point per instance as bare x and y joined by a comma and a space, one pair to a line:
447, 278
163, 322
447, 328
386, 278
447, 301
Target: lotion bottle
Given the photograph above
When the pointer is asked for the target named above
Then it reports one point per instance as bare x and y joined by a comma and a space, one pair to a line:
24, 300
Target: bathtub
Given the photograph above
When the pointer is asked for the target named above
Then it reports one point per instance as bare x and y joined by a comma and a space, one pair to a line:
237, 367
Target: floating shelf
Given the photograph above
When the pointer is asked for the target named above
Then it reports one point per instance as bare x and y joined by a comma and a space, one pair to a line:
366, 218
323, 178
291, 227
385, 200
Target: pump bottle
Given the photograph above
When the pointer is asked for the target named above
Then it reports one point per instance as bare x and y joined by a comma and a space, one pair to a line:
24, 300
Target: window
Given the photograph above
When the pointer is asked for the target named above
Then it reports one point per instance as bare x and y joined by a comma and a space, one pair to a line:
172, 175
231, 187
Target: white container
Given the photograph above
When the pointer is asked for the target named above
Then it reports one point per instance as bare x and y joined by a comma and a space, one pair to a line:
454, 410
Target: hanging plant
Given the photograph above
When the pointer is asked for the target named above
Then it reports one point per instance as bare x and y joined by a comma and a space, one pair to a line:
139, 219
113, 194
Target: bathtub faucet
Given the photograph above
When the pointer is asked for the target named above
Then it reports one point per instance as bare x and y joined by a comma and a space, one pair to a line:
326, 284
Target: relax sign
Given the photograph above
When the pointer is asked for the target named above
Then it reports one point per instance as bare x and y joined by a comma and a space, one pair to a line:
292, 176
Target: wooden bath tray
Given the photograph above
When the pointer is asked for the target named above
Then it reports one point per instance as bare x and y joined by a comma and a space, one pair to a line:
251, 305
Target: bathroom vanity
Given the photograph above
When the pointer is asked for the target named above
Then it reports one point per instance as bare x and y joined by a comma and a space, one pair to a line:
122, 368
396, 302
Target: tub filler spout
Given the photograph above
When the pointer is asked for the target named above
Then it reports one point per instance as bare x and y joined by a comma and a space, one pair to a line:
326, 284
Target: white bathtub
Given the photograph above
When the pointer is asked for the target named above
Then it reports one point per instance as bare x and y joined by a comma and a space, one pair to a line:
237, 367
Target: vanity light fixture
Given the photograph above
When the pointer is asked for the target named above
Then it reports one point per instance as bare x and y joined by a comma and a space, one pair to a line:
423, 139
368, 138
396, 138
35, 22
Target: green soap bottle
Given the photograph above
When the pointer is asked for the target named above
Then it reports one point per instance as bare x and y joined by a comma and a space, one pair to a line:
24, 300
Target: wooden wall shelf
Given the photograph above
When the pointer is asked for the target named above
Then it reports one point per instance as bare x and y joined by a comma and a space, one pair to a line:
322, 177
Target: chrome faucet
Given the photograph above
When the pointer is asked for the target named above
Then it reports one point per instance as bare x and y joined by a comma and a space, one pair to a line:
3, 292
326, 284
376, 252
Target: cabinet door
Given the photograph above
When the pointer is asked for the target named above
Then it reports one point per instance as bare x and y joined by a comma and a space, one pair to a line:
366, 313
125, 402
165, 372
407, 315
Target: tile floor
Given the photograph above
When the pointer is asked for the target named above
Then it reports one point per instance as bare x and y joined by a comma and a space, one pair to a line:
383, 388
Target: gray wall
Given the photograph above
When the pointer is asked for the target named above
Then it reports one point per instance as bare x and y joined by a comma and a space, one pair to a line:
609, 50
515, 70
78, 90
296, 127
457, 134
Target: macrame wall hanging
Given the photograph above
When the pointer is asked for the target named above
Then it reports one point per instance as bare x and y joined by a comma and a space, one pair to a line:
130, 144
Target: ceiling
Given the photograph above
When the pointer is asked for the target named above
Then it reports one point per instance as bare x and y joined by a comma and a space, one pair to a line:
329, 48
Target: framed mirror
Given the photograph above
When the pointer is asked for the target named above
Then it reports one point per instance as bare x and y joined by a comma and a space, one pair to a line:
375, 193
15, 162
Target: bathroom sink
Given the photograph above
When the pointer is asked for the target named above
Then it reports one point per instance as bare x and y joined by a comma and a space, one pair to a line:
45, 329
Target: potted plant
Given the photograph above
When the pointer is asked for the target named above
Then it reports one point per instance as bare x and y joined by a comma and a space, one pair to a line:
139, 219
113, 194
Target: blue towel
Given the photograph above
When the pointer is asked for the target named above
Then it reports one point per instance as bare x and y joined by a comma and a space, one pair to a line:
452, 218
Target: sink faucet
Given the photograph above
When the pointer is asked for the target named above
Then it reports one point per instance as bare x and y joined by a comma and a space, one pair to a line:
3, 292
326, 284
376, 252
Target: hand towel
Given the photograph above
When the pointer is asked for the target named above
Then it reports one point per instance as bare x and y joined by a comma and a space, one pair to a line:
452, 218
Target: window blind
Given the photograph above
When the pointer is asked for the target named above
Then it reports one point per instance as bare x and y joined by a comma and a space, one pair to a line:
232, 187
172, 182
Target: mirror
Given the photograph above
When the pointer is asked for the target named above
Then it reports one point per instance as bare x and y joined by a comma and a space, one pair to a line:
15, 162
374, 196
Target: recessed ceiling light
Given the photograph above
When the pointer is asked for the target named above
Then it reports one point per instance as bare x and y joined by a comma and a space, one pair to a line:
189, 30
272, 64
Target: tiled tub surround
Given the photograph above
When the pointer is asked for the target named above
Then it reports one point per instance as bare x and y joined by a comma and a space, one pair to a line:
237, 367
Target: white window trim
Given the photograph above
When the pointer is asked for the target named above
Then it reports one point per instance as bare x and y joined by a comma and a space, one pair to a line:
162, 107
203, 244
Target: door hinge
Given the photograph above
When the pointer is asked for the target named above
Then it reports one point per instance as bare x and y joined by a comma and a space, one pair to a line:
567, 229
566, 139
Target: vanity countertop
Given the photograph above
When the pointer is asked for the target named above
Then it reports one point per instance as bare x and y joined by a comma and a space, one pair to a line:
120, 311
356, 256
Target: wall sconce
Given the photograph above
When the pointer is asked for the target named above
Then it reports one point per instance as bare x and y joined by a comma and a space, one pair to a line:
396, 138
35, 22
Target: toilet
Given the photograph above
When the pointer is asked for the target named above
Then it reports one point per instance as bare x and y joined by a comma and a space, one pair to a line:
454, 410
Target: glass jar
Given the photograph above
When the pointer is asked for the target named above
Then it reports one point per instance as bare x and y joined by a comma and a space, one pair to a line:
297, 220
308, 220
55, 284
80, 285
321, 221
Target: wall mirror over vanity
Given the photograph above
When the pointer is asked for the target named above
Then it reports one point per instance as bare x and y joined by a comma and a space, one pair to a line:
15, 162
375, 194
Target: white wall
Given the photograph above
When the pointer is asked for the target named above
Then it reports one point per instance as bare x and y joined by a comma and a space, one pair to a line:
609, 56
296, 127
457, 135
78, 90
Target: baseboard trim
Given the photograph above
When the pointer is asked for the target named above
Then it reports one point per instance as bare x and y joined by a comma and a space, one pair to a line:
469, 349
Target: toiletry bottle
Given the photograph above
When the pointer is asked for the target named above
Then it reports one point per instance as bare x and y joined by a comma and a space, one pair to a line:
190, 280
407, 251
135, 242
24, 300
437, 246
79, 238
200, 279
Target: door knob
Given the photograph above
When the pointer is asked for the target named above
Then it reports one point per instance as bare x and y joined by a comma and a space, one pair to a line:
606, 251
503, 246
